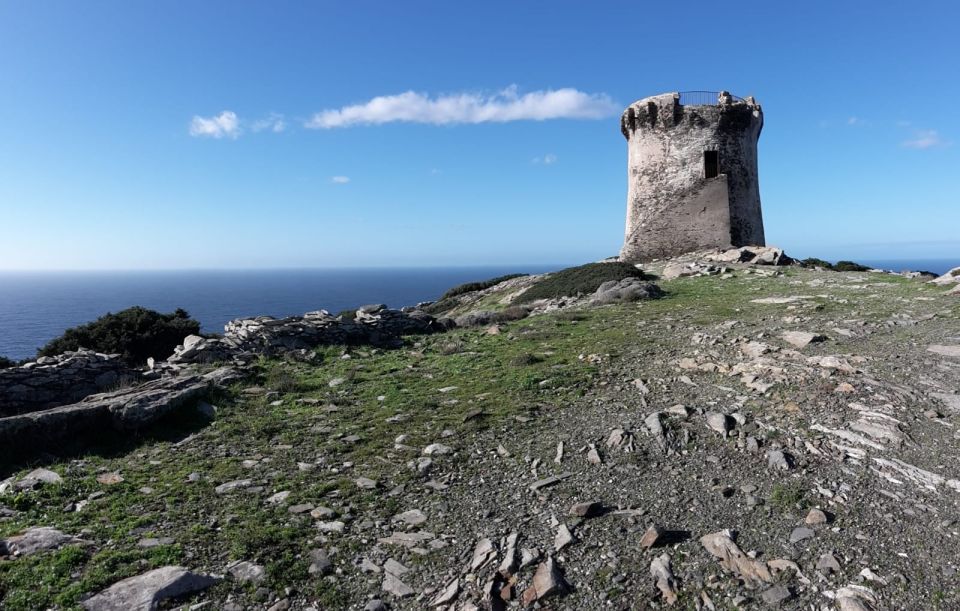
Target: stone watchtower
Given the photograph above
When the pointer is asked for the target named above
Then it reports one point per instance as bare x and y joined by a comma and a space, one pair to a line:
692, 174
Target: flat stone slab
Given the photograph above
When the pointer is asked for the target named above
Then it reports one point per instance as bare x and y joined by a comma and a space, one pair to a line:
944, 350
127, 409
35, 540
550, 481
145, 592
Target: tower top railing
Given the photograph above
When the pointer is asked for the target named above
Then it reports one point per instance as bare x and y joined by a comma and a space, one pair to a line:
703, 98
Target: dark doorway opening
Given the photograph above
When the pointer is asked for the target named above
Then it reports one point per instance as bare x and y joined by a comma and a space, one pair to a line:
711, 164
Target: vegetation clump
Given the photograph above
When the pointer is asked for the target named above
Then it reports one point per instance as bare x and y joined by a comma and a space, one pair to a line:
839, 266
470, 287
135, 334
5, 363
850, 266
580, 280
449, 300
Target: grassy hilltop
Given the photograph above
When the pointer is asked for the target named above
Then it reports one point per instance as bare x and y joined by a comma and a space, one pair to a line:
346, 436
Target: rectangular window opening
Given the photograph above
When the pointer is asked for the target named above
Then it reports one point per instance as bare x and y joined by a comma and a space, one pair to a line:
711, 164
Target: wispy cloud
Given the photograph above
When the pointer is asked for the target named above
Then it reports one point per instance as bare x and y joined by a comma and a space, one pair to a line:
339, 180
548, 159
224, 125
855, 121
925, 139
273, 122
500, 107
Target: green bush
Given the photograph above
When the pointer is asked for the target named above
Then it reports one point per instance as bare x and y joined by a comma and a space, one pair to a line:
135, 333
580, 280
850, 266
839, 266
5, 362
815, 262
470, 287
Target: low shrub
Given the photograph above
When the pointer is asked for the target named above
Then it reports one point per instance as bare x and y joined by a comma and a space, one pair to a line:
452, 347
812, 262
511, 313
580, 280
522, 360
839, 266
850, 266
5, 363
135, 334
470, 287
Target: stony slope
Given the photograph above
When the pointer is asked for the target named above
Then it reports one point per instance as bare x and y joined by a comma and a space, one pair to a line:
531, 460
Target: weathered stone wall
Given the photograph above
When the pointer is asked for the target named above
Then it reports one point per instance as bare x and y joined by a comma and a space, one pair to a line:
672, 207
372, 324
58, 380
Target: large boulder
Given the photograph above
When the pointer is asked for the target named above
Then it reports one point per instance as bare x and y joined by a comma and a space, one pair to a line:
147, 591
35, 540
755, 255
951, 277
626, 290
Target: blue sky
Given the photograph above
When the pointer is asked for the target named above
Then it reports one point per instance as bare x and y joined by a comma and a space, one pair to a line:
213, 134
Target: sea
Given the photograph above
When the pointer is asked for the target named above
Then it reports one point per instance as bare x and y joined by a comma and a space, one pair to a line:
36, 307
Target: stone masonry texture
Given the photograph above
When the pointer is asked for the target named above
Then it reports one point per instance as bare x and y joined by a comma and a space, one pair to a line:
673, 205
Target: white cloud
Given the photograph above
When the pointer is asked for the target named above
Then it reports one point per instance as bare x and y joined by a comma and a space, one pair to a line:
339, 180
925, 139
854, 121
547, 159
503, 106
224, 125
273, 122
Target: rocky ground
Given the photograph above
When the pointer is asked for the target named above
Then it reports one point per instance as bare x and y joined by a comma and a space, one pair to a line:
757, 437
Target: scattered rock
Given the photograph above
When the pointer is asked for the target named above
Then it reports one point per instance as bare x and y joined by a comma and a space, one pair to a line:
483, 553
37, 477
816, 516
36, 539
564, 538
828, 563
549, 481
233, 486
587, 509
365, 483
652, 537
437, 449
801, 339
779, 460
320, 563
448, 594
547, 581
776, 595
392, 584
722, 546
718, 422
247, 572
801, 534
662, 574
412, 517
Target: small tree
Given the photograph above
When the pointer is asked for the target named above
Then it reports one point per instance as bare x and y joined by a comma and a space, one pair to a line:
135, 333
